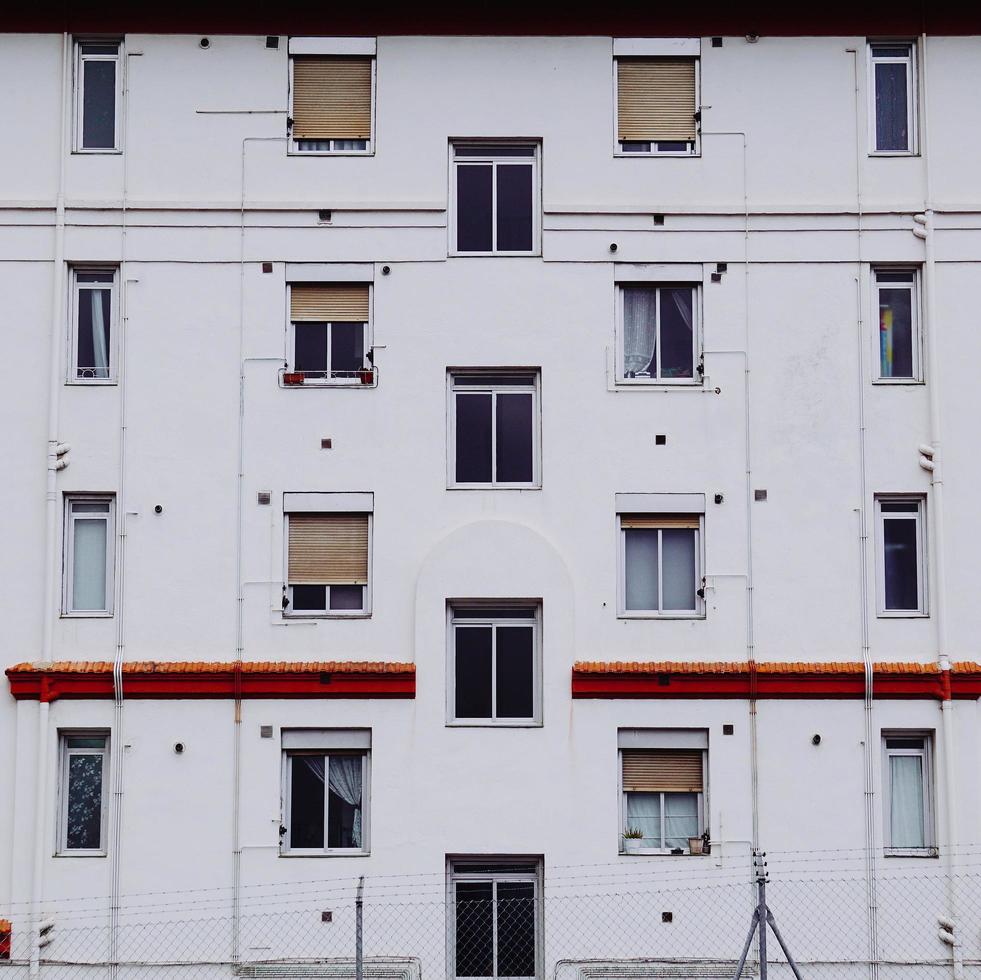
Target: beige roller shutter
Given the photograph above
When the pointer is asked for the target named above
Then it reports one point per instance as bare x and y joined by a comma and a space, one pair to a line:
656, 99
331, 98
328, 549
659, 520
322, 301
662, 771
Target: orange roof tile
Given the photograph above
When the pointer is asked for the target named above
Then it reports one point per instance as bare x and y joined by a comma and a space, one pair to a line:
208, 667
772, 667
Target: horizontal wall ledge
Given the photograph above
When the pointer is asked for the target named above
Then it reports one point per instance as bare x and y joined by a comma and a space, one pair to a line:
255, 679
667, 679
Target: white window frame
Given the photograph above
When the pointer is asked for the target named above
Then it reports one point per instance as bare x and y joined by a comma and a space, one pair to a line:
78, 109
285, 849
494, 389
695, 151
453, 877
922, 562
64, 752
68, 553
73, 312
292, 144
697, 613
929, 848
698, 357
912, 96
914, 287
452, 621
328, 613
497, 160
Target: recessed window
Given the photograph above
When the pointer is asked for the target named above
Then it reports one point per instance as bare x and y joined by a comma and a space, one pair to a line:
325, 791
88, 556
98, 96
902, 556
656, 106
908, 792
660, 565
494, 428
658, 335
327, 564
93, 320
83, 793
897, 309
494, 667
331, 103
329, 334
892, 68
494, 198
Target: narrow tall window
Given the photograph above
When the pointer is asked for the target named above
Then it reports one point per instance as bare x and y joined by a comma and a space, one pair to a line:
88, 558
331, 103
494, 195
899, 324
902, 556
83, 793
893, 88
660, 565
93, 318
329, 323
327, 564
98, 93
656, 105
908, 785
658, 334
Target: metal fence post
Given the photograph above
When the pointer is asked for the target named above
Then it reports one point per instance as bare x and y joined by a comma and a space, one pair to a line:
359, 931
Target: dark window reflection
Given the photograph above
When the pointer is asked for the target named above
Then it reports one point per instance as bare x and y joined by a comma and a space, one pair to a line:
473, 672
899, 538
473, 438
474, 208
514, 208
475, 929
515, 438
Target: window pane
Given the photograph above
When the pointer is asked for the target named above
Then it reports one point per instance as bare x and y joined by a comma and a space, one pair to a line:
896, 333
680, 818
89, 565
678, 568
640, 547
644, 813
474, 929
344, 802
677, 320
474, 208
473, 438
93, 742
307, 801
99, 110
346, 348
494, 150
514, 438
906, 801
899, 506
639, 331
473, 672
84, 824
899, 543
92, 353
309, 598
347, 597
515, 671
891, 121
514, 208
516, 929
310, 346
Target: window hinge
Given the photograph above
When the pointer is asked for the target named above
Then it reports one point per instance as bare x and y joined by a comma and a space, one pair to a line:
698, 116
289, 124
286, 598
282, 830
700, 368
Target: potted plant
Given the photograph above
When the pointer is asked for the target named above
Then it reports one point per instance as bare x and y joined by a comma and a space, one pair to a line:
696, 845
367, 375
633, 839
292, 377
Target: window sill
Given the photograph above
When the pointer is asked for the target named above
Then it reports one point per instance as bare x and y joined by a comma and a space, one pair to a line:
659, 852
304, 617
893, 153
328, 384
660, 385
536, 253
901, 614
494, 486
97, 153
647, 155
83, 383
86, 615
661, 615
898, 381
330, 153
490, 723
344, 852
80, 854
911, 852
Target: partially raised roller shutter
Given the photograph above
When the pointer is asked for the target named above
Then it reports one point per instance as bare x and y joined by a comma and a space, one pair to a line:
331, 98
656, 99
328, 549
662, 771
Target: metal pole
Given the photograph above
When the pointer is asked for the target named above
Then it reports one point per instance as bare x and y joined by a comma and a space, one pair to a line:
745, 953
783, 945
359, 932
761, 919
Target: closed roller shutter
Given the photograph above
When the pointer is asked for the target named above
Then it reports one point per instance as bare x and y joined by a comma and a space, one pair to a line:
660, 771
335, 302
328, 549
331, 98
656, 99
659, 520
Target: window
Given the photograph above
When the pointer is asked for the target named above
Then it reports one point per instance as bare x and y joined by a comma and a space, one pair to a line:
329, 327
897, 313
494, 198
494, 428
327, 564
892, 67
93, 319
325, 791
98, 95
84, 793
656, 106
902, 556
331, 103
662, 788
908, 799
494, 667
660, 565
658, 334
88, 558
495, 917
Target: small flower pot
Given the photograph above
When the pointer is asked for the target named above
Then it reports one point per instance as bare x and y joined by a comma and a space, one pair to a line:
366, 375
696, 845
631, 845
293, 378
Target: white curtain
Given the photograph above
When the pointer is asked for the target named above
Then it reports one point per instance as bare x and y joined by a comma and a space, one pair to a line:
89, 565
640, 571
678, 568
644, 813
100, 344
345, 781
680, 818
639, 329
906, 799
682, 301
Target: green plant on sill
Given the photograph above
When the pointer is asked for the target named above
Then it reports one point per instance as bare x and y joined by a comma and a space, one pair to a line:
633, 833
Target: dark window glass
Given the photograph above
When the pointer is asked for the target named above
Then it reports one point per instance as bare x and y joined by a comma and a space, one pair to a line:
514, 438
492, 612
344, 802
473, 671
347, 597
895, 333
494, 150
94, 315
307, 801
474, 929
890, 51
904, 743
84, 825
515, 929
515, 672
635, 146
310, 345
494, 379
495, 867
899, 540
474, 208
100, 47
899, 507
514, 208
673, 146
473, 438
99, 109
891, 120
309, 598
677, 324
346, 348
